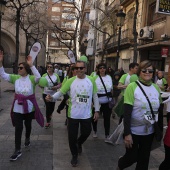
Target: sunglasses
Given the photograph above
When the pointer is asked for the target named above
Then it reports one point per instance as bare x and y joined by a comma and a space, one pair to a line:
102, 67
20, 68
49, 67
76, 68
147, 70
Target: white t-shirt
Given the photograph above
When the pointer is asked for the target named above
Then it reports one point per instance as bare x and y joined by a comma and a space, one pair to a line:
60, 72
100, 88
55, 78
23, 85
141, 118
81, 91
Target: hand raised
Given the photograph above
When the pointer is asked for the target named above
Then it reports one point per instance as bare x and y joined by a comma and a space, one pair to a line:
29, 60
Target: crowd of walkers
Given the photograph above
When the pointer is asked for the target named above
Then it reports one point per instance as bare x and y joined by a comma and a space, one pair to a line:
136, 95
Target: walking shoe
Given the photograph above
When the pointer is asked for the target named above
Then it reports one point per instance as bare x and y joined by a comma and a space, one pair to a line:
15, 155
94, 134
107, 140
65, 122
58, 111
27, 142
47, 125
74, 160
79, 147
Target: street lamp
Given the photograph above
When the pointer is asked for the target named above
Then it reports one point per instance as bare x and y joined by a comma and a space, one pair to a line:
2, 9
120, 21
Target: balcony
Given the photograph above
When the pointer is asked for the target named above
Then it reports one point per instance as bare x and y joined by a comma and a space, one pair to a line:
99, 46
126, 2
126, 39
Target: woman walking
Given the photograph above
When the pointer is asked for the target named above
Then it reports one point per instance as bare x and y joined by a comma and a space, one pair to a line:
24, 107
53, 83
138, 122
104, 91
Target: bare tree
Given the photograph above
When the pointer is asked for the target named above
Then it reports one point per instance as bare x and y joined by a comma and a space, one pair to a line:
18, 6
67, 32
107, 23
33, 23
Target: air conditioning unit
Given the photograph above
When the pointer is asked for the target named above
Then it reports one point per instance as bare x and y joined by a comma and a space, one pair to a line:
146, 33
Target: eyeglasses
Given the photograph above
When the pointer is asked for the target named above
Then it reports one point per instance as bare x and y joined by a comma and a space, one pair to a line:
49, 67
102, 67
76, 68
20, 68
147, 70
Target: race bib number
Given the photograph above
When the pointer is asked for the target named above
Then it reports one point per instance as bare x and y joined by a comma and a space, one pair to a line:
82, 99
148, 116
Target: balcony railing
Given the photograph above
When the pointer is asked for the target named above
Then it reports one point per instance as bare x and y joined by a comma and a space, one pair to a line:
123, 1
99, 46
126, 38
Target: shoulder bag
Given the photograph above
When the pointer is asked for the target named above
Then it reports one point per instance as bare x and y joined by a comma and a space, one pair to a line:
158, 132
55, 84
112, 101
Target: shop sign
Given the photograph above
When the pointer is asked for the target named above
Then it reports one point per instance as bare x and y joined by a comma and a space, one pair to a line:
164, 51
163, 7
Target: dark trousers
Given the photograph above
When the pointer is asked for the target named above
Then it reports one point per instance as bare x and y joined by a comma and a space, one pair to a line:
63, 103
18, 120
140, 153
73, 127
160, 116
106, 111
49, 108
165, 165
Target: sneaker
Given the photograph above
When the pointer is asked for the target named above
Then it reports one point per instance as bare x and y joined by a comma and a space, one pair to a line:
65, 122
79, 147
94, 134
15, 155
107, 140
58, 111
74, 160
27, 142
113, 115
47, 125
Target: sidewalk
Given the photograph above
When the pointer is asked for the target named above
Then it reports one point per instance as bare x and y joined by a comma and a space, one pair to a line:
49, 147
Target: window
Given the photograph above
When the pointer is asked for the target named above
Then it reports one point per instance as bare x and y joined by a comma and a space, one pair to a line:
54, 43
153, 17
67, 9
87, 15
55, 9
66, 42
68, 16
55, 18
68, 25
56, 1
69, 0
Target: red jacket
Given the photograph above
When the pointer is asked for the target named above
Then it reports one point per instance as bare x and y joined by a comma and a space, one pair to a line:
167, 136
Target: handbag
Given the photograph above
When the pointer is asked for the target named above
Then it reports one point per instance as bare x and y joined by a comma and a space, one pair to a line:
54, 84
112, 101
158, 132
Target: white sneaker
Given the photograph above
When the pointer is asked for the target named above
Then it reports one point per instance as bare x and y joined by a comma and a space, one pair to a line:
107, 140
94, 134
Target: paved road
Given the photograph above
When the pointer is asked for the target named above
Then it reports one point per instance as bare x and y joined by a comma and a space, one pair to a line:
49, 147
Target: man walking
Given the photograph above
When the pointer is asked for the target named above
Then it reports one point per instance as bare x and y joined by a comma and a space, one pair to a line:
123, 83
81, 90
